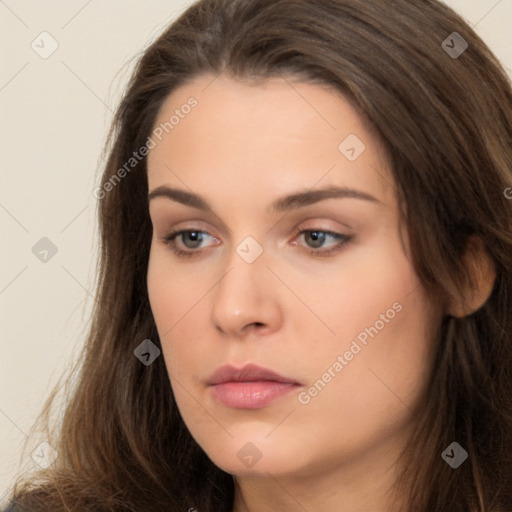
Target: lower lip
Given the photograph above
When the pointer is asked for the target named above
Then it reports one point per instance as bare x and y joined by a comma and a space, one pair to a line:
251, 395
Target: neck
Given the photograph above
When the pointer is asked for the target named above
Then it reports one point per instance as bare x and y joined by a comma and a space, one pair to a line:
362, 484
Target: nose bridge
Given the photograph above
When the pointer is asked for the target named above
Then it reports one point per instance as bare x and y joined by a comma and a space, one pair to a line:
244, 295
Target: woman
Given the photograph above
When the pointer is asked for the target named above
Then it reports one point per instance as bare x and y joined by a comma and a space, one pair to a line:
306, 266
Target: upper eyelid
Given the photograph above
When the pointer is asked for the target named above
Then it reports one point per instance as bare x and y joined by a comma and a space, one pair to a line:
224, 229
200, 225
301, 228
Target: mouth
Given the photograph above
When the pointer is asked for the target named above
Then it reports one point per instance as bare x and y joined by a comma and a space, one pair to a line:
249, 387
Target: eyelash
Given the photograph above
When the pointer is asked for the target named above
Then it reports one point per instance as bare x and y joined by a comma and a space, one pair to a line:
345, 240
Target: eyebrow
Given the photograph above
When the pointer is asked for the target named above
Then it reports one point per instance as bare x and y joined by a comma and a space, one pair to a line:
290, 202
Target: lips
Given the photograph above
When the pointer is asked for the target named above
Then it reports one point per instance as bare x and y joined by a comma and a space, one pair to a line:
249, 387
248, 373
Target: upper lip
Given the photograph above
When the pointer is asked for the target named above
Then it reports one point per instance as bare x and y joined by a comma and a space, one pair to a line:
248, 373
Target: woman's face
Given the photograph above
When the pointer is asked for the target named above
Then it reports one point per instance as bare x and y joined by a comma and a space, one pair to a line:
293, 262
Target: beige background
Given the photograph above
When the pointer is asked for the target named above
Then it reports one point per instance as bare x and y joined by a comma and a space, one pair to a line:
54, 115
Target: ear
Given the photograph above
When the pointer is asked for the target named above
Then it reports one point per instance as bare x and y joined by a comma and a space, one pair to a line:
482, 274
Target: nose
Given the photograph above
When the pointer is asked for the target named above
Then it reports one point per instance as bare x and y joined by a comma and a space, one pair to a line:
246, 299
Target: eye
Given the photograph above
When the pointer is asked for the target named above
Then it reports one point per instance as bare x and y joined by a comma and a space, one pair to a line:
192, 239
190, 236
316, 238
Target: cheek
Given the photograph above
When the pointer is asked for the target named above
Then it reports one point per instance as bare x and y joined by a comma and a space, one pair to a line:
166, 303
172, 294
361, 297
175, 303
384, 324
160, 294
386, 360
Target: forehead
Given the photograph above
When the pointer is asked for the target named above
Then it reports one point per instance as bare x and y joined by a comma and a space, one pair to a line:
274, 134
301, 109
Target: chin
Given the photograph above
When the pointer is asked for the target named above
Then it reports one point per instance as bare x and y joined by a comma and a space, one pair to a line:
257, 457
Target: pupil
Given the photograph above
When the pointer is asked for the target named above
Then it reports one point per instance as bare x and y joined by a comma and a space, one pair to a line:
318, 238
194, 236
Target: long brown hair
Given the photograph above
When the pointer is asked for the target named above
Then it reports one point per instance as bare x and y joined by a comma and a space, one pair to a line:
445, 121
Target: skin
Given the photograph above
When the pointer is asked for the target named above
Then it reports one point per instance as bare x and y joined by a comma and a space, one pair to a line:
290, 310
